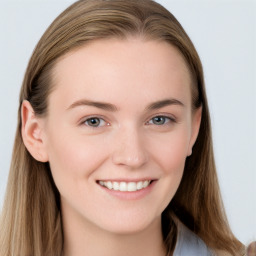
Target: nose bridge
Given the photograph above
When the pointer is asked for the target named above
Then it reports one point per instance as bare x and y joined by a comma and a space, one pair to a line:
129, 149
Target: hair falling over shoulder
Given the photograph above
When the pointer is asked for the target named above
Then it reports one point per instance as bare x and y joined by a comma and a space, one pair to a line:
31, 217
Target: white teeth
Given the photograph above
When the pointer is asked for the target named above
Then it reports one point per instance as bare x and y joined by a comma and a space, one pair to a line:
115, 185
131, 186
109, 185
139, 185
145, 183
125, 186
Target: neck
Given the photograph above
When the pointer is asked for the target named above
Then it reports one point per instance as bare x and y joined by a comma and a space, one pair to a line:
82, 238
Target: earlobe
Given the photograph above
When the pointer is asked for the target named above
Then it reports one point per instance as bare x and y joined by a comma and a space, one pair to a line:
196, 121
189, 151
32, 133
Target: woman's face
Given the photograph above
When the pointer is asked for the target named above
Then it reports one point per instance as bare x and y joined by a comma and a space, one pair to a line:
118, 132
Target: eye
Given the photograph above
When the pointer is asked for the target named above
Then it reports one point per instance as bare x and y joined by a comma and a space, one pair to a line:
95, 122
161, 120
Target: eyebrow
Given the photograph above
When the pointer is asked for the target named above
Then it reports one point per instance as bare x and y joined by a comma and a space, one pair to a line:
110, 107
101, 105
164, 103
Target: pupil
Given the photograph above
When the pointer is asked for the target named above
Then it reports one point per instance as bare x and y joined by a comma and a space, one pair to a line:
159, 120
94, 121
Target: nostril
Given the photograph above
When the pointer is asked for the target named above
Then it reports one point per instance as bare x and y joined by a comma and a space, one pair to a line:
129, 149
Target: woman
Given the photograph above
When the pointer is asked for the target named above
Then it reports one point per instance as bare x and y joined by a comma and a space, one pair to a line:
113, 152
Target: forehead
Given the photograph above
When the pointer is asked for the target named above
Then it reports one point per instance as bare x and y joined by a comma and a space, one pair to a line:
118, 70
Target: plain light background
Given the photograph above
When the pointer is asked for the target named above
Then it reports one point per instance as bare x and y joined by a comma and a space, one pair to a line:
224, 33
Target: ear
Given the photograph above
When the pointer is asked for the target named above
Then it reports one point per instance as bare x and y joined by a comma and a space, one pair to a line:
32, 133
196, 121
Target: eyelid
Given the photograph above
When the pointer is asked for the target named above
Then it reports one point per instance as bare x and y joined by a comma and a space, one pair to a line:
165, 115
82, 121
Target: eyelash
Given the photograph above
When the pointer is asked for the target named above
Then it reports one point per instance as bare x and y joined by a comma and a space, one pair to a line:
100, 119
167, 121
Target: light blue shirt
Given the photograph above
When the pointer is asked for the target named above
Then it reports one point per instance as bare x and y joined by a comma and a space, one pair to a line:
189, 244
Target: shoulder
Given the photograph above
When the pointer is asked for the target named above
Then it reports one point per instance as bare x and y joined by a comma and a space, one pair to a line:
189, 243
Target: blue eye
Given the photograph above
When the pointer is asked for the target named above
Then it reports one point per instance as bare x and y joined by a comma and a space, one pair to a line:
95, 122
160, 120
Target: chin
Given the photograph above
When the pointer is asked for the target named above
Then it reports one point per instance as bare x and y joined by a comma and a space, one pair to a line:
130, 225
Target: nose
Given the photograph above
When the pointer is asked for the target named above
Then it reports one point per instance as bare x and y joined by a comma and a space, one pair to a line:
129, 149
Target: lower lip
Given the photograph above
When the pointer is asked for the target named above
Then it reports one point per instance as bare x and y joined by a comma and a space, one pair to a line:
130, 195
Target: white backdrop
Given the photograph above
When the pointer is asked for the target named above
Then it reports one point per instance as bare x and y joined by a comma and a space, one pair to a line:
224, 33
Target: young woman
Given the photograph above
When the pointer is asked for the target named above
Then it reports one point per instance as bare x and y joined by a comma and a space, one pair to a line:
113, 152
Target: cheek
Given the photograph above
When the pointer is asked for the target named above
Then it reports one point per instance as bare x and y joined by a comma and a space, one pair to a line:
171, 151
169, 154
73, 159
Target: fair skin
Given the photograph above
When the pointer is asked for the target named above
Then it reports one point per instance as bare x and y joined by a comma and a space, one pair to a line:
140, 129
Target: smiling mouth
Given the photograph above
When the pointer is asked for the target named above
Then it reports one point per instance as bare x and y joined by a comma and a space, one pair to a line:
125, 186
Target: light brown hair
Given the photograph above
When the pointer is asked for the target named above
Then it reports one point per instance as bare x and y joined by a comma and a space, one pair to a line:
31, 217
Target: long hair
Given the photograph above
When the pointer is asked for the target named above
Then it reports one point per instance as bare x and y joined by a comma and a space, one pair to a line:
31, 217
